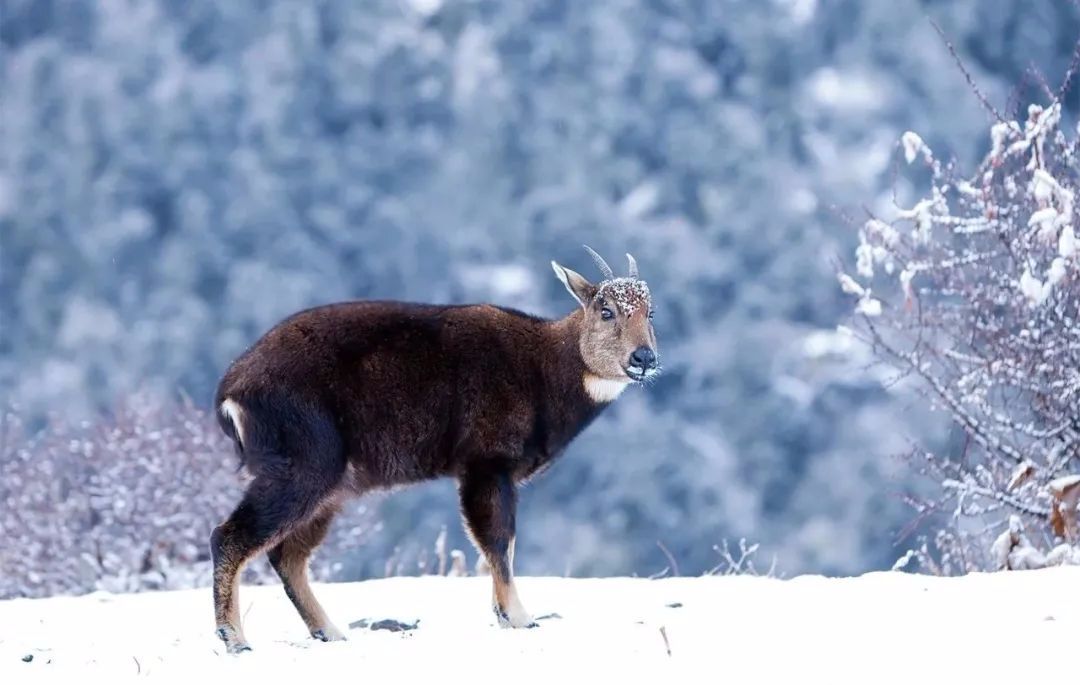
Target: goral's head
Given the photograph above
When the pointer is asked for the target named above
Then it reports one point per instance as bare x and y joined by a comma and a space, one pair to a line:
618, 343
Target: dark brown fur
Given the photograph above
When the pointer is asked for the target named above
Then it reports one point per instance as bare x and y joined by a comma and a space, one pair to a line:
338, 400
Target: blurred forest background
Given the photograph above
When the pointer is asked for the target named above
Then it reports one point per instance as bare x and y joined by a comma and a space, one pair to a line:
178, 175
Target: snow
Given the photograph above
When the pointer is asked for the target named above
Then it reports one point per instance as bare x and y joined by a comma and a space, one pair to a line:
628, 294
1064, 483
1045, 218
924, 219
868, 306
804, 629
1013, 550
1056, 272
913, 145
864, 260
879, 229
1000, 133
905, 281
850, 285
1032, 288
1067, 242
1044, 186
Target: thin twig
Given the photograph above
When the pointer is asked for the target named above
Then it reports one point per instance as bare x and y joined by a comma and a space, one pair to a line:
1012, 106
1070, 72
670, 558
989, 442
667, 645
967, 74
998, 496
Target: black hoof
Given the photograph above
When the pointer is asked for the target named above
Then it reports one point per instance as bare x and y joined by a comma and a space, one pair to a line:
232, 645
504, 620
329, 634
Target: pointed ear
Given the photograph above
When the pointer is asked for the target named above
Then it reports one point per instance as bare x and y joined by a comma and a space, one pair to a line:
577, 284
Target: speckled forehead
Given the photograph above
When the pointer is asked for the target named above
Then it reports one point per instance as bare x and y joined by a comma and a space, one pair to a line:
628, 294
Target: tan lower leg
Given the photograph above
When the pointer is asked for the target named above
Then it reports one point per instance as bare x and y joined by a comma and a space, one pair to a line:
290, 560
227, 596
510, 610
294, 575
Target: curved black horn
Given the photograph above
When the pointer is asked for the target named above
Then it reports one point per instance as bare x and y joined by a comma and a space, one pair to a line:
633, 265
601, 264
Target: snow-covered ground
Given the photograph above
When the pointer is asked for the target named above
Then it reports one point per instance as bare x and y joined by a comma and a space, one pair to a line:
1008, 627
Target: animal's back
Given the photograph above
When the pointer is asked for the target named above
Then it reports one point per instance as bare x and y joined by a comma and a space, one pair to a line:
395, 381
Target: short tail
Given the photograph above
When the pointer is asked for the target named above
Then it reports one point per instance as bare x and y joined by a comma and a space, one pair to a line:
231, 419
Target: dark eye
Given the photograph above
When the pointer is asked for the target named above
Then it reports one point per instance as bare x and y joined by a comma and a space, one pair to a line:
651, 312
606, 314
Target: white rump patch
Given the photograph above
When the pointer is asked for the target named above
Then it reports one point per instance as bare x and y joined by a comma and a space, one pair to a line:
603, 389
236, 414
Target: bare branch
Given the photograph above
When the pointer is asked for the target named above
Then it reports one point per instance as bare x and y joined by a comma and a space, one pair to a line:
670, 558
967, 75
997, 496
1066, 83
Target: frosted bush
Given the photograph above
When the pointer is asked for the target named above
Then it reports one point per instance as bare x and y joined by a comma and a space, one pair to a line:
977, 300
126, 503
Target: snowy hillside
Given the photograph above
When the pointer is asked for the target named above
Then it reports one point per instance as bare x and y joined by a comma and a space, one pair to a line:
883, 627
178, 178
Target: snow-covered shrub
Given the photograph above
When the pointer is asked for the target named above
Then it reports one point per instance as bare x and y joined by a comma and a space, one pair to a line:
973, 293
126, 504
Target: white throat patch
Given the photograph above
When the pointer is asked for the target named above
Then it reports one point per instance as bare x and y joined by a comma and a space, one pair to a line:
603, 389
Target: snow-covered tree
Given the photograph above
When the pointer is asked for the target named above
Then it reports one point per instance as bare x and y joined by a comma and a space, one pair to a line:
972, 292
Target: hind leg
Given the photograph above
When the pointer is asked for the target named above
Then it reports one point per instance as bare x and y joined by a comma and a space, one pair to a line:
290, 559
269, 511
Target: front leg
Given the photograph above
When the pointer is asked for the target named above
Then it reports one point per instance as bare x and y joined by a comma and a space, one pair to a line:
489, 505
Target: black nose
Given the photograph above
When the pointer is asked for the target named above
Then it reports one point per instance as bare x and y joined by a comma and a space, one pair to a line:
643, 357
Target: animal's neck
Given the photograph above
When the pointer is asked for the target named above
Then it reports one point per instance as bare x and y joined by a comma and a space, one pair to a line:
566, 409
565, 339
566, 333
580, 387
